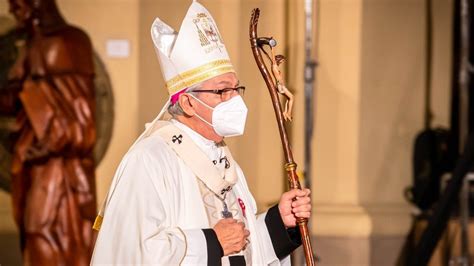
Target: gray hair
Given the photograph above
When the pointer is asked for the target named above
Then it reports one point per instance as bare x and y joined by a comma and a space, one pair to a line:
175, 109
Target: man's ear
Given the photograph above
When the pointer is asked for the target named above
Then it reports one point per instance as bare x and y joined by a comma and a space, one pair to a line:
185, 102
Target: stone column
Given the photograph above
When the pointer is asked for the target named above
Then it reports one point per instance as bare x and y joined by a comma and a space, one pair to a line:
369, 107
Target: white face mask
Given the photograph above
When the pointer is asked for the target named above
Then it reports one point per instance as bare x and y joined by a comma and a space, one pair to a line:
228, 118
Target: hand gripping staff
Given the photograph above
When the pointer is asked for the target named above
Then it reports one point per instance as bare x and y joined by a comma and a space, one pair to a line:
257, 44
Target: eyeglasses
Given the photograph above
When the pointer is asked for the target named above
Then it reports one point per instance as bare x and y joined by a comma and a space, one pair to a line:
226, 91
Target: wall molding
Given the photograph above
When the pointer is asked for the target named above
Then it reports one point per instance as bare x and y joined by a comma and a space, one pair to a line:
346, 220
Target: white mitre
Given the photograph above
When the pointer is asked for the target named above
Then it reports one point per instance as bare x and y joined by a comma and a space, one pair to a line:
192, 55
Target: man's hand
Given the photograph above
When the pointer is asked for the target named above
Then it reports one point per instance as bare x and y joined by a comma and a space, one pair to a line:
290, 209
232, 235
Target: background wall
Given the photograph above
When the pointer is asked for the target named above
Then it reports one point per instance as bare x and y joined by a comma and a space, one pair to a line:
369, 104
370, 107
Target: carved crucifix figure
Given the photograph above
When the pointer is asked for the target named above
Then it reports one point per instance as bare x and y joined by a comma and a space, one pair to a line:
277, 60
52, 92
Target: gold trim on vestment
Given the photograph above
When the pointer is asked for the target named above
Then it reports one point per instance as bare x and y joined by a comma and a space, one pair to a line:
98, 222
199, 74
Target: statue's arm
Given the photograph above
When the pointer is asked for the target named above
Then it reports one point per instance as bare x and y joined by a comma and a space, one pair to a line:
65, 122
61, 116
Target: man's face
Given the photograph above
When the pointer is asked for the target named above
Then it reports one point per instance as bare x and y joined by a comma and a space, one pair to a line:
22, 10
227, 80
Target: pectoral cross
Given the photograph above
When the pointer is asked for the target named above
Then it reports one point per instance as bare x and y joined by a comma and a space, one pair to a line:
226, 213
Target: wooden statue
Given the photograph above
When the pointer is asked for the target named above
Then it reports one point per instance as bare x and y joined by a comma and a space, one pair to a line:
51, 90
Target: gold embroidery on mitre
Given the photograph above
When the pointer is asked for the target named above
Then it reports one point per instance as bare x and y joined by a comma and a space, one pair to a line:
198, 74
207, 32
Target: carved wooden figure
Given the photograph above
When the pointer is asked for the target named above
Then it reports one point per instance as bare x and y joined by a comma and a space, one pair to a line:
51, 89
277, 60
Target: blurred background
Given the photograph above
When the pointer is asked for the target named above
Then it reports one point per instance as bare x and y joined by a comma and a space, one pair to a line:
368, 94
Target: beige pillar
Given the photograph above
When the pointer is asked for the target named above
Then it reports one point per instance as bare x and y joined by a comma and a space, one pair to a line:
369, 108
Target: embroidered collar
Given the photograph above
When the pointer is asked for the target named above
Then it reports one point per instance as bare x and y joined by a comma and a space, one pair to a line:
209, 147
219, 182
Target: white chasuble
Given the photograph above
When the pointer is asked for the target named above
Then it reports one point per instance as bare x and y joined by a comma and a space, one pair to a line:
219, 202
160, 200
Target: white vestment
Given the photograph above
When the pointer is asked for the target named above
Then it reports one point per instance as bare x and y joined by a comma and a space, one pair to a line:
154, 213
